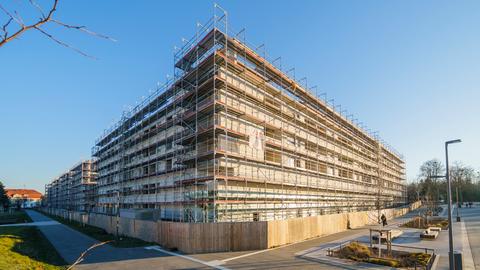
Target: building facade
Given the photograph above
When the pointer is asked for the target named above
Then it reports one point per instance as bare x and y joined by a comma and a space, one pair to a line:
24, 198
235, 138
73, 190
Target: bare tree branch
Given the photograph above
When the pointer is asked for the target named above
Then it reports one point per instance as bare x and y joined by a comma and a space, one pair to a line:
4, 28
83, 29
27, 27
39, 8
37, 26
64, 44
9, 14
19, 18
82, 256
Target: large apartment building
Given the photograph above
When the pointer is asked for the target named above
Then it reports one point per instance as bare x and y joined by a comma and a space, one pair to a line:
235, 138
75, 189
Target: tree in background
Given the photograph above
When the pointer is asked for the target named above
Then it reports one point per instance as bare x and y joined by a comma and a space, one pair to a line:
4, 200
433, 190
429, 186
413, 192
429, 183
463, 183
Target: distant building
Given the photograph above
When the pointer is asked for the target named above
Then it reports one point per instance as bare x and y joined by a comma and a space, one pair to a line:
74, 189
25, 198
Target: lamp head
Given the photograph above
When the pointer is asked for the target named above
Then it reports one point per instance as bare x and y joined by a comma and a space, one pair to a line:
453, 141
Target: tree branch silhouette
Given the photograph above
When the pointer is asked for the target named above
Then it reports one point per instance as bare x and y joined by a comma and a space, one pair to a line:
45, 18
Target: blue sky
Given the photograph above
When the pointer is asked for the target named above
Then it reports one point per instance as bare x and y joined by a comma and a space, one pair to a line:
409, 69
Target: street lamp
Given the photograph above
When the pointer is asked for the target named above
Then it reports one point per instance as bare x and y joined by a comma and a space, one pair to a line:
449, 198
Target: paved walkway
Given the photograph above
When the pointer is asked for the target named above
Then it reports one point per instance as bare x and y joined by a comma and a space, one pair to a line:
409, 238
290, 256
71, 243
471, 217
38, 223
302, 255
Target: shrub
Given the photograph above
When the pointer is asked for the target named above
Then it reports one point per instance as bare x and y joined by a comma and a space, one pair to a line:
382, 261
412, 259
355, 250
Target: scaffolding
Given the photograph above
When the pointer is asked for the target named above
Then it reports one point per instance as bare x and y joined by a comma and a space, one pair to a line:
234, 137
73, 190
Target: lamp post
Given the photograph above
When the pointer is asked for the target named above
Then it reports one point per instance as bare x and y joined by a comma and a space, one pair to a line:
449, 198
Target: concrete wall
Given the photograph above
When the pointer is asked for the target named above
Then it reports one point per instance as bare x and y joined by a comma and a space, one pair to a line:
232, 236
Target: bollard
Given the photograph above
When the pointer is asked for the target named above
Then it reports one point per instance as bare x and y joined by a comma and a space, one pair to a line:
458, 260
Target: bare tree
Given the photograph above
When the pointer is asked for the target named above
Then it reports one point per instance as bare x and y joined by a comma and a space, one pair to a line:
463, 178
431, 168
15, 26
428, 172
430, 185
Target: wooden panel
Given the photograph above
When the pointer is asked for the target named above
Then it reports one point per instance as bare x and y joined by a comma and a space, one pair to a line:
235, 236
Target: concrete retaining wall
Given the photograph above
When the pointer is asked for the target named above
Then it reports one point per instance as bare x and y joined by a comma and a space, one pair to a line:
232, 236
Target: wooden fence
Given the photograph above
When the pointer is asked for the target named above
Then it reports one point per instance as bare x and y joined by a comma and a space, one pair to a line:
231, 236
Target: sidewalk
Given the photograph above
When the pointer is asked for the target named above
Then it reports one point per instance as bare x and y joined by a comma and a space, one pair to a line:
410, 237
70, 244
38, 223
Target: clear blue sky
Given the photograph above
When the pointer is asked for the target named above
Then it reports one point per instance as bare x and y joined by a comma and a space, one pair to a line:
410, 69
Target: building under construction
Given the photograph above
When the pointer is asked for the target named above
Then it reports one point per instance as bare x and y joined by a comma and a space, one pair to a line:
234, 137
73, 190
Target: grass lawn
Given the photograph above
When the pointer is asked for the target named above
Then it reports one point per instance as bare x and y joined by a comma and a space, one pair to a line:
15, 217
25, 247
100, 234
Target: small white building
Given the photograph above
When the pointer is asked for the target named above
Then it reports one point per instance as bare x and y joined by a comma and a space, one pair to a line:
25, 198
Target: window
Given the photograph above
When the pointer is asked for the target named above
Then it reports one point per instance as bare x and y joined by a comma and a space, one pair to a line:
273, 156
298, 163
152, 168
168, 144
168, 165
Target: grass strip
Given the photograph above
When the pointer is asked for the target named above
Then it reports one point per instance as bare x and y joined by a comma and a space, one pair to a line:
25, 247
100, 234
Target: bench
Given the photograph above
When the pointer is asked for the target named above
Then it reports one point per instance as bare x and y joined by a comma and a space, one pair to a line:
395, 234
429, 234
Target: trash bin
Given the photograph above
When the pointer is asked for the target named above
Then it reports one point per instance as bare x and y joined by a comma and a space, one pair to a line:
458, 260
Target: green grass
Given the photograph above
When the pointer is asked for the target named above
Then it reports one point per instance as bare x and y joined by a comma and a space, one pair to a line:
15, 217
100, 234
25, 247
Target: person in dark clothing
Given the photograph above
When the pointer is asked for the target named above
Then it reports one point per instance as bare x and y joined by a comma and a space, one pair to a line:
384, 220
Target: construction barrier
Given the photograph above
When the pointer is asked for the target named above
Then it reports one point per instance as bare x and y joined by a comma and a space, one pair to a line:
231, 236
